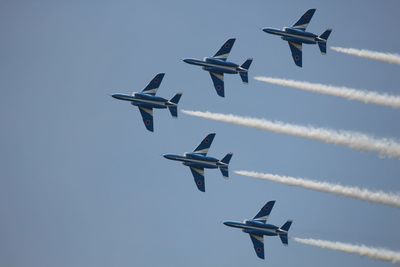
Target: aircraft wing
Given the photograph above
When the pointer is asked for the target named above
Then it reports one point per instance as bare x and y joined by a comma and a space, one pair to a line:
198, 174
303, 22
258, 244
225, 49
297, 54
205, 145
263, 214
147, 116
152, 87
218, 80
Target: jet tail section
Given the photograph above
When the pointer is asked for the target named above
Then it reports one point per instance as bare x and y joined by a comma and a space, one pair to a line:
286, 226
174, 109
324, 37
227, 158
246, 66
326, 34
284, 235
224, 169
284, 238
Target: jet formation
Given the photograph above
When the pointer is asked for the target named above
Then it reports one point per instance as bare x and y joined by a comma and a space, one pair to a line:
257, 228
146, 101
198, 160
297, 35
218, 65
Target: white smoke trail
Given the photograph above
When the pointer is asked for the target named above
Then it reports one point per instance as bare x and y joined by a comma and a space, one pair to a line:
347, 191
362, 250
354, 140
379, 56
344, 92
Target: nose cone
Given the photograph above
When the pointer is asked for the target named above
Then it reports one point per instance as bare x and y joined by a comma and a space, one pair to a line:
268, 30
168, 156
192, 61
228, 223
117, 96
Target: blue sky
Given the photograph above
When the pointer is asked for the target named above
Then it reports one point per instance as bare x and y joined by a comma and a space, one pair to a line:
82, 183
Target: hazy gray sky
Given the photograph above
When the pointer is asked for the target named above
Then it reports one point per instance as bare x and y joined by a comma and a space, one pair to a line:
82, 183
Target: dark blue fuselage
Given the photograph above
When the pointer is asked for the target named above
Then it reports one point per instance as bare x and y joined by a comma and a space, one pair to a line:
196, 160
144, 100
216, 65
294, 35
255, 227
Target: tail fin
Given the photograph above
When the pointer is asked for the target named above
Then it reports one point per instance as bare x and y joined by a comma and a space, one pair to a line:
284, 235
174, 109
246, 66
224, 168
324, 37
227, 158
326, 34
287, 225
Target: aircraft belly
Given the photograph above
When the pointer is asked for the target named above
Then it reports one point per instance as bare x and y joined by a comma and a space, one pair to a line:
220, 70
259, 231
200, 164
298, 39
148, 104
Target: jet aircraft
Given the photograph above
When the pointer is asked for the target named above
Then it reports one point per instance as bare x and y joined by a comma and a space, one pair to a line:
198, 160
147, 100
257, 228
297, 35
217, 66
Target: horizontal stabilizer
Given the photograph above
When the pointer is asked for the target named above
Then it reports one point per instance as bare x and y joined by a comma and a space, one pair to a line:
326, 34
287, 225
324, 37
322, 47
247, 63
173, 110
244, 76
224, 171
176, 98
227, 158
284, 238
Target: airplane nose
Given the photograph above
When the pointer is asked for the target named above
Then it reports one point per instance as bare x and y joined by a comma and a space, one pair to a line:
186, 60
267, 30
167, 156
115, 96
227, 223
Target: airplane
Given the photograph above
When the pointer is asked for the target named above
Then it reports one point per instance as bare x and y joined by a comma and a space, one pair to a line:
257, 228
198, 160
147, 100
297, 35
217, 66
